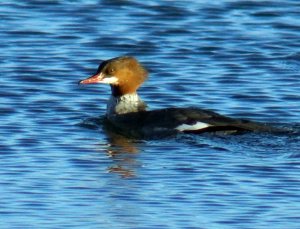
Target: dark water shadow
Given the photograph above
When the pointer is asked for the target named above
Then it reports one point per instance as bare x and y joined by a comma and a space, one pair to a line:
122, 151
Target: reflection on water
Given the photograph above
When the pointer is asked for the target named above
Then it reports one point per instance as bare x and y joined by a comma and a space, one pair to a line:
122, 152
119, 149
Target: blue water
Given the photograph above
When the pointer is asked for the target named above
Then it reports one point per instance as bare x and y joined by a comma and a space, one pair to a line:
60, 169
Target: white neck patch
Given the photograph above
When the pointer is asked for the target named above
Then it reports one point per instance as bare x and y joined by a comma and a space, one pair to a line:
125, 104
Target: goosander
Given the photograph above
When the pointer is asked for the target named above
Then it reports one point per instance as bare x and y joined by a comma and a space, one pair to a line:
127, 112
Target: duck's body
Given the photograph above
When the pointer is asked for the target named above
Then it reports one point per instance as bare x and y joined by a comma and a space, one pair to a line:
127, 112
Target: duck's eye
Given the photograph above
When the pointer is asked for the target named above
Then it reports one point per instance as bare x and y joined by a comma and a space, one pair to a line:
111, 71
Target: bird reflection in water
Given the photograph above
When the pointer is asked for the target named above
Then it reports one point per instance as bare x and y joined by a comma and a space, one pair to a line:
121, 150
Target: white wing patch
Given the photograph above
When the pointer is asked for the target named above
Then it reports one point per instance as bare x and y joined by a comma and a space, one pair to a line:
196, 126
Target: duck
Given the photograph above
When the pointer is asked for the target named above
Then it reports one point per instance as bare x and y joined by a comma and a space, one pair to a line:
128, 113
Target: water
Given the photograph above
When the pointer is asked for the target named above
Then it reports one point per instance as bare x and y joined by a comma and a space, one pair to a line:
61, 169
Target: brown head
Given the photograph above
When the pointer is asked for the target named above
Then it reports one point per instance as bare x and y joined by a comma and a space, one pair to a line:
125, 75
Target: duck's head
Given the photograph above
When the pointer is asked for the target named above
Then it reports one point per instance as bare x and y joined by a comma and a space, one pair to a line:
125, 75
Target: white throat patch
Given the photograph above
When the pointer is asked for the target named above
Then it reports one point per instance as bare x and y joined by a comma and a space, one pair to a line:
110, 80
